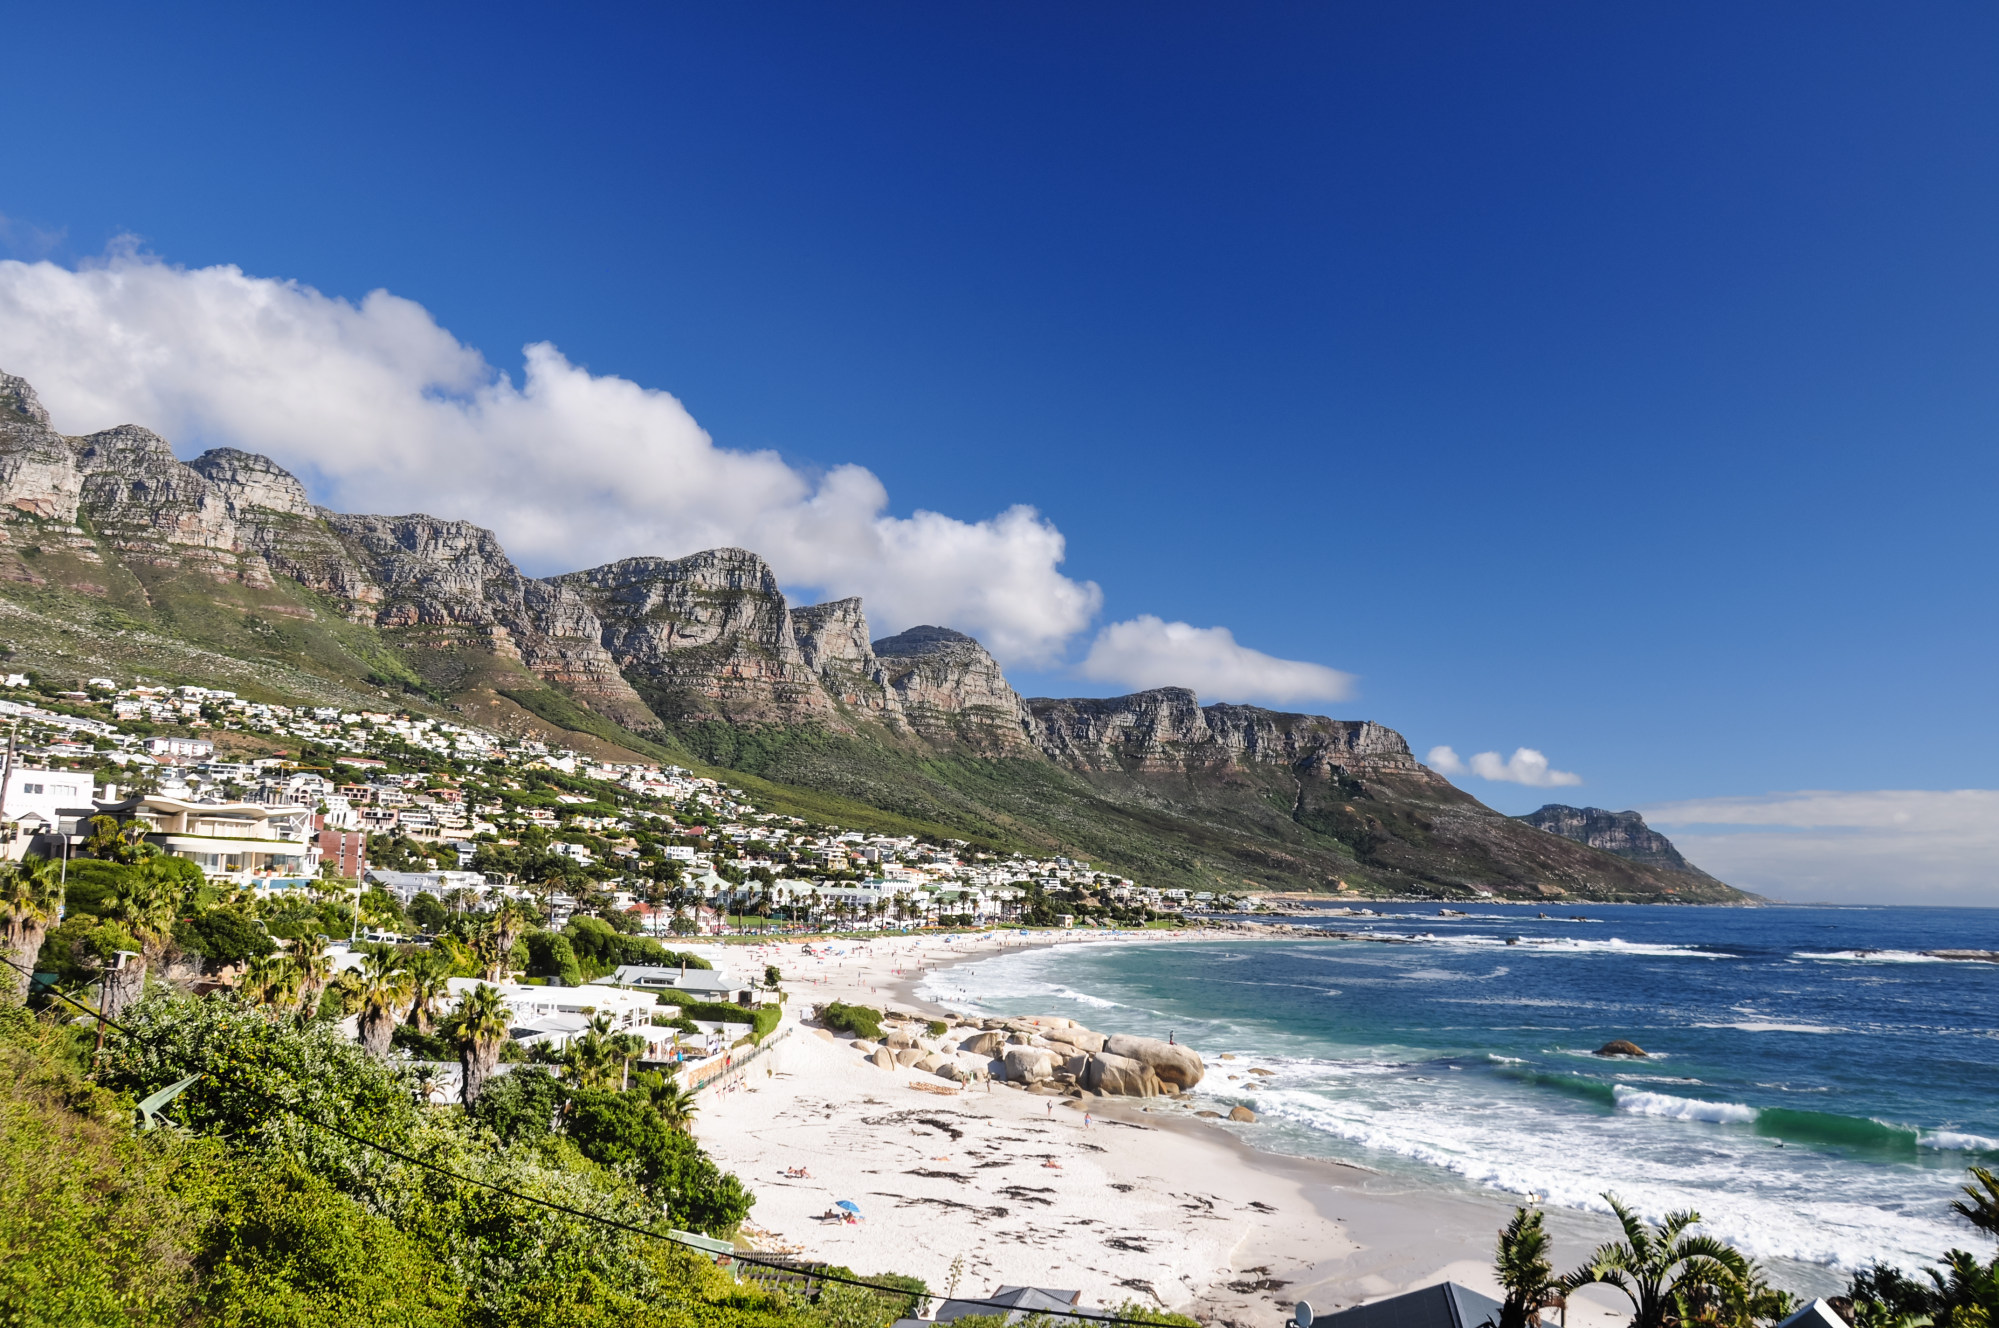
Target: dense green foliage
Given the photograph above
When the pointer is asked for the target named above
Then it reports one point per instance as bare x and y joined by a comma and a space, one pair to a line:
245, 1213
223, 935
621, 1131
860, 1020
761, 1018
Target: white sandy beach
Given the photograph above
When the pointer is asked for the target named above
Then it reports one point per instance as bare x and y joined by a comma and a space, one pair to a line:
1144, 1202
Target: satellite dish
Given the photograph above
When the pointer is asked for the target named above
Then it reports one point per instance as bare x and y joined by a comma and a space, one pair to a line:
1301, 1314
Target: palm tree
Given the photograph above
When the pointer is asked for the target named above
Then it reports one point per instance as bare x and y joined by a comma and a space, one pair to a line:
271, 980
30, 899
315, 970
1523, 1269
380, 987
428, 972
495, 943
145, 903
423, 1079
1983, 1209
481, 1025
587, 1059
674, 1105
1654, 1264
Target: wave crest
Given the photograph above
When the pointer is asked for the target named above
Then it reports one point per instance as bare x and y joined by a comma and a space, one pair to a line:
1641, 1102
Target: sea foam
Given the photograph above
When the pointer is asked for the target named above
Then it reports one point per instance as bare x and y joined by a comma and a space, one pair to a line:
1952, 1141
1641, 1102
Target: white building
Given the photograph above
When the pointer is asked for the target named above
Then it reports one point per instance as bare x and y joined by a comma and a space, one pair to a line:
551, 1016
238, 841
702, 984
180, 749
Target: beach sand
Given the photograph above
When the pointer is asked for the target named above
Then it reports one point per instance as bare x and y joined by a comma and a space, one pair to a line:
1145, 1202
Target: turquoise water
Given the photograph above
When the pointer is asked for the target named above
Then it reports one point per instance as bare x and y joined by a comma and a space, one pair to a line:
1815, 1088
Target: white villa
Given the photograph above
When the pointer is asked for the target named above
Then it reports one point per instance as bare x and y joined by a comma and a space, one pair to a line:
238, 841
551, 1016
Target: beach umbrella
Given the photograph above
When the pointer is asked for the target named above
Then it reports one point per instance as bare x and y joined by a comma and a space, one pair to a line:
849, 1205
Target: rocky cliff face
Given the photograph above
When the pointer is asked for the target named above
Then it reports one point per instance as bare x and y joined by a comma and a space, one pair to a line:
708, 636
18, 400
453, 578
1622, 833
38, 474
1154, 782
952, 692
249, 483
1167, 729
155, 512
834, 640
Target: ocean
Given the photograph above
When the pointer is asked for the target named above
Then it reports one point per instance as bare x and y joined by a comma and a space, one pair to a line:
1815, 1086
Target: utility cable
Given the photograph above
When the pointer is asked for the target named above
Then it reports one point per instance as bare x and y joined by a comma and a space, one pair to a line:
597, 1218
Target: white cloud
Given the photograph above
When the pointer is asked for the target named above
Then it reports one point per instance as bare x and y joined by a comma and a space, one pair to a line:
1916, 846
1525, 766
1444, 761
380, 409
1145, 652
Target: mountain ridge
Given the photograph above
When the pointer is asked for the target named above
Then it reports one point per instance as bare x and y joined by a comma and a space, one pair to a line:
227, 554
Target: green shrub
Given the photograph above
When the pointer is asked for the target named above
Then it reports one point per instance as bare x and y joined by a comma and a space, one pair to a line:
223, 936
551, 955
857, 1305
761, 1018
283, 1247
522, 1105
423, 1046
246, 1215
860, 1020
601, 947
937, 1028
622, 1131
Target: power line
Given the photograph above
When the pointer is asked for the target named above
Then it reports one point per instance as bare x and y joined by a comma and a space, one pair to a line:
598, 1218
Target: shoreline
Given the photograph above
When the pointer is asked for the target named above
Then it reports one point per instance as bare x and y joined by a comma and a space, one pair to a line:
1398, 1234
1206, 1224
1210, 1224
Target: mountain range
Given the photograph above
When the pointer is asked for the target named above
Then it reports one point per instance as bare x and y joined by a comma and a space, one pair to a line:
118, 558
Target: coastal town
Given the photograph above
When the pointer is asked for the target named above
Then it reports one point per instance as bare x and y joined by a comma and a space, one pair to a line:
406, 803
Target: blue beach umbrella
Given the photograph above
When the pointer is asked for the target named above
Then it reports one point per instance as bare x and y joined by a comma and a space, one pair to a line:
849, 1205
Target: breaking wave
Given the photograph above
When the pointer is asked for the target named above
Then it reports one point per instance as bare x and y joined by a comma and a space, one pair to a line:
1640, 1102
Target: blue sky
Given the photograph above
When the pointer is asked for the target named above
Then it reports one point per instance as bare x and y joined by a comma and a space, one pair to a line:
1608, 381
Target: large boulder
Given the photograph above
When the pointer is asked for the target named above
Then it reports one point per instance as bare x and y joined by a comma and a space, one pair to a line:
1119, 1076
986, 1044
1027, 1065
1174, 1064
1075, 1066
1243, 1114
883, 1059
908, 1056
1620, 1047
1082, 1039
